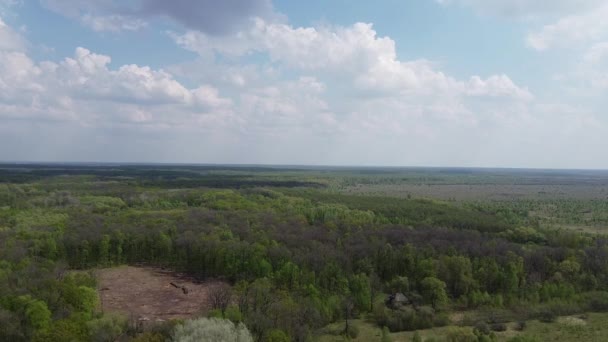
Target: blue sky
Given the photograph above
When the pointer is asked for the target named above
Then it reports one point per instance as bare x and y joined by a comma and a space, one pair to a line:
496, 83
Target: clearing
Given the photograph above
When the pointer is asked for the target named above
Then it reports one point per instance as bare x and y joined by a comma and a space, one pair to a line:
146, 294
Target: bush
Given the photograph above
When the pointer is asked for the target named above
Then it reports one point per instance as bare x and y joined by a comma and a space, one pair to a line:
386, 335
547, 316
277, 335
234, 314
441, 320
211, 329
598, 301
352, 332
482, 328
524, 339
107, 328
457, 334
498, 327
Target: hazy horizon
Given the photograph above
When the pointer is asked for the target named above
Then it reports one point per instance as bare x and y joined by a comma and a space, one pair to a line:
298, 166
423, 83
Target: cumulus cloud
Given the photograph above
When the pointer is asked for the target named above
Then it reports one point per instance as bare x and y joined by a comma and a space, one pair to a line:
9, 39
571, 30
354, 54
85, 88
319, 95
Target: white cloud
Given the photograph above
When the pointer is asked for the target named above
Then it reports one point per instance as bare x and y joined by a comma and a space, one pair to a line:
597, 53
354, 54
571, 30
496, 86
86, 89
321, 95
9, 39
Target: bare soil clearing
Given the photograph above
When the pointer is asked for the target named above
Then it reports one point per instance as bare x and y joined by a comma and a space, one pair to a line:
144, 293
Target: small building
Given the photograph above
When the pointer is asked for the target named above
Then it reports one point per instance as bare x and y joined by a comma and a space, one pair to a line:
397, 300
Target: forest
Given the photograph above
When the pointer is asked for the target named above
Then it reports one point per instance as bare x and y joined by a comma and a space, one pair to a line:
304, 253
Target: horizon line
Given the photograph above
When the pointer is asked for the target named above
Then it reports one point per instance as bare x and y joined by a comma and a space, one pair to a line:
271, 165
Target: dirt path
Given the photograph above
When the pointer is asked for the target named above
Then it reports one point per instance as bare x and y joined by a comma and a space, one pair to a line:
147, 293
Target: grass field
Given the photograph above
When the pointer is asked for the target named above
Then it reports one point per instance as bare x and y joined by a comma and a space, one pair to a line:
590, 328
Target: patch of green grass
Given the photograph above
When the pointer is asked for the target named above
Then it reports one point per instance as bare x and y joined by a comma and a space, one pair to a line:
566, 329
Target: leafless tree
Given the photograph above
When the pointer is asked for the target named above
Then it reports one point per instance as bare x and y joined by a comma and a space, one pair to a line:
220, 297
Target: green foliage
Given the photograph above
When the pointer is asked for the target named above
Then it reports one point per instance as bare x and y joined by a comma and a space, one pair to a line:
523, 338
386, 335
63, 330
107, 328
34, 313
351, 332
458, 334
294, 251
276, 335
211, 329
433, 291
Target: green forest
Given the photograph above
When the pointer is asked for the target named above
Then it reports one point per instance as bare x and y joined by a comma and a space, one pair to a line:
303, 258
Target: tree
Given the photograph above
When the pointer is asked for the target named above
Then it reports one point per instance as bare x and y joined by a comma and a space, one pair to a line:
211, 329
107, 328
433, 291
347, 306
361, 291
220, 297
277, 336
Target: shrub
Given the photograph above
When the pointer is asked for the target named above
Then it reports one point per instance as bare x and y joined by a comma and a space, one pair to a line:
498, 327
524, 339
457, 334
352, 331
598, 301
277, 335
482, 328
547, 316
386, 335
234, 314
107, 328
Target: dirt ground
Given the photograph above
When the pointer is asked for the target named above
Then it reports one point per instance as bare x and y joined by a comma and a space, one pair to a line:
147, 294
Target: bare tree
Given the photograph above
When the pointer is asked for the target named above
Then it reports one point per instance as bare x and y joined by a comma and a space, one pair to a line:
220, 297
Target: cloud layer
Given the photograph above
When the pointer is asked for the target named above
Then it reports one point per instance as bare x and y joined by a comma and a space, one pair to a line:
262, 90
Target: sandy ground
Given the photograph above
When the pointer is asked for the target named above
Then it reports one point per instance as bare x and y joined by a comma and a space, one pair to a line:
146, 293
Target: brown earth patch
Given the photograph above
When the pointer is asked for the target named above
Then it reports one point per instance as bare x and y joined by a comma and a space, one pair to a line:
144, 293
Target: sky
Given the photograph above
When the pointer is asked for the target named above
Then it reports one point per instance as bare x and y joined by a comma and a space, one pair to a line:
472, 83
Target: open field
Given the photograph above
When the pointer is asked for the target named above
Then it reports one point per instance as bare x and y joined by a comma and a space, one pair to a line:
147, 294
591, 328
